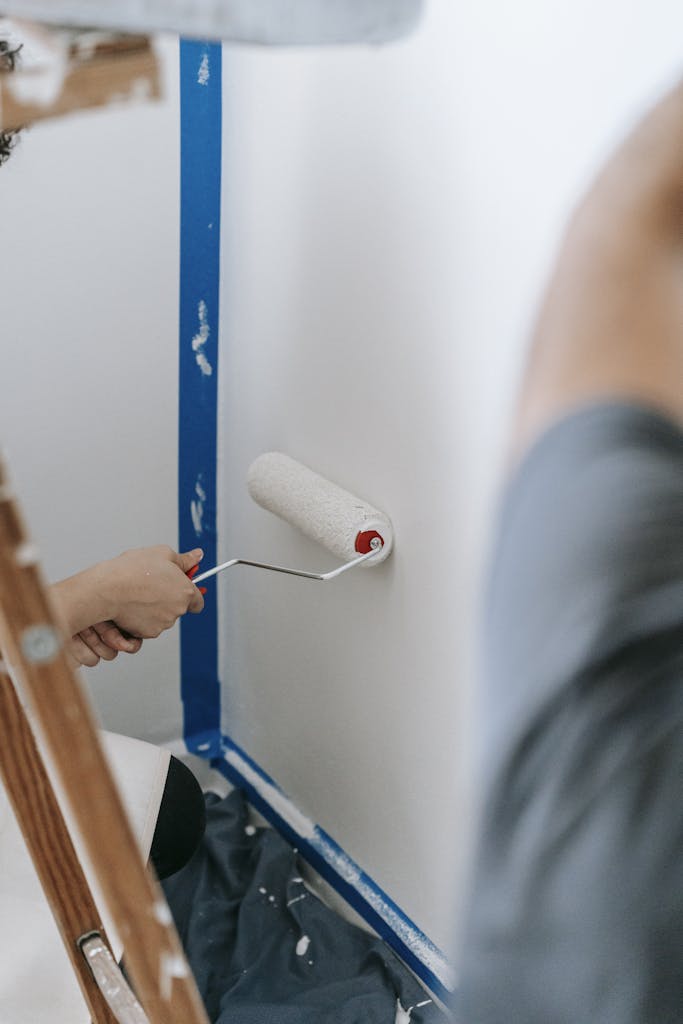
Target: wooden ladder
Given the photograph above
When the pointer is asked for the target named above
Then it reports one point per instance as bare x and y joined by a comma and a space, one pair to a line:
31, 643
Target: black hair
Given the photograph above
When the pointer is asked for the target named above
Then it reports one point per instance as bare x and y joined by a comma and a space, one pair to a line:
8, 62
8, 56
7, 143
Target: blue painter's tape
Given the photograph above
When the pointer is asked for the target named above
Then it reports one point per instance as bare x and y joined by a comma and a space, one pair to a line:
200, 209
200, 188
337, 868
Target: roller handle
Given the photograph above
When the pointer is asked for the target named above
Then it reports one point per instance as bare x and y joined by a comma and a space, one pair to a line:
347, 526
375, 547
191, 573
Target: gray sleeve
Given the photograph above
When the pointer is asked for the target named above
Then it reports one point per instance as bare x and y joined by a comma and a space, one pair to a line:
588, 559
576, 899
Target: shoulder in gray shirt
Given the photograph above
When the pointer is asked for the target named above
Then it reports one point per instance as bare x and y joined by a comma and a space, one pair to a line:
576, 896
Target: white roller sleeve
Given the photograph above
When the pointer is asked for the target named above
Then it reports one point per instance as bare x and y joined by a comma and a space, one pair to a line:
320, 509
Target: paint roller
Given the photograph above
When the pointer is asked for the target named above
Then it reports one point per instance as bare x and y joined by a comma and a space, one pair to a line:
338, 520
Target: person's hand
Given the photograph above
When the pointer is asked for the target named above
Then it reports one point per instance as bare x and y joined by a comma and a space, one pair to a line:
137, 595
150, 589
102, 641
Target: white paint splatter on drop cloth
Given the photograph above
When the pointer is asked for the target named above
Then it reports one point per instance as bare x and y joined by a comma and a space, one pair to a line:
405, 1016
297, 899
302, 945
250, 830
197, 507
204, 72
200, 339
402, 1016
262, 890
346, 869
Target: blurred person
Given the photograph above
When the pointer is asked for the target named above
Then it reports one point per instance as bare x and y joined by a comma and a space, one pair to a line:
575, 904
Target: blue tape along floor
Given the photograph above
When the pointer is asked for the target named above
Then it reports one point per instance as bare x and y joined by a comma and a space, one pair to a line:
266, 950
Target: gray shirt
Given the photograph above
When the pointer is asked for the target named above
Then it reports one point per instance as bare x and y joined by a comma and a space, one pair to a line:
576, 897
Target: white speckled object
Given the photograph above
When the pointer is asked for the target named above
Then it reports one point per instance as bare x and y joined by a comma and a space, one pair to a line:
320, 509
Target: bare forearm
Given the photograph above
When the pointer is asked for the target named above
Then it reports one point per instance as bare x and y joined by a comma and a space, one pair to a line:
85, 598
611, 324
643, 181
144, 591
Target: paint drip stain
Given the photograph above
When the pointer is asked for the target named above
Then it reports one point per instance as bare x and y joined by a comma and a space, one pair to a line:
200, 339
405, 1016
302, 945
402, 1016
197, 508
204, 72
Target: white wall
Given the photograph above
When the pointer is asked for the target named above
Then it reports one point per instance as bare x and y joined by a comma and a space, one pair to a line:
89, 345
389, 216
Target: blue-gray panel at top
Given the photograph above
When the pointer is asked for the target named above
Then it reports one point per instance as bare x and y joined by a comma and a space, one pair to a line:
264, 22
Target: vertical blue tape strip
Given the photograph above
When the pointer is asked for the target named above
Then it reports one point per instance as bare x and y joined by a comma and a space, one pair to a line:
200, 207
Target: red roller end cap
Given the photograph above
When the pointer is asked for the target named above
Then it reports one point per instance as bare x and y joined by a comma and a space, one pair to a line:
363, 545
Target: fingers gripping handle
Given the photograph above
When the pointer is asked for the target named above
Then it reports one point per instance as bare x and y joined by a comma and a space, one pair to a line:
191, 573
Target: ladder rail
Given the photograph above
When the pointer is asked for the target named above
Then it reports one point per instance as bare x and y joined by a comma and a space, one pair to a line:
30, 634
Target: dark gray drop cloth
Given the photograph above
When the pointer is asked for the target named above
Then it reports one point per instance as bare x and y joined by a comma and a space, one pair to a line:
242, 911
